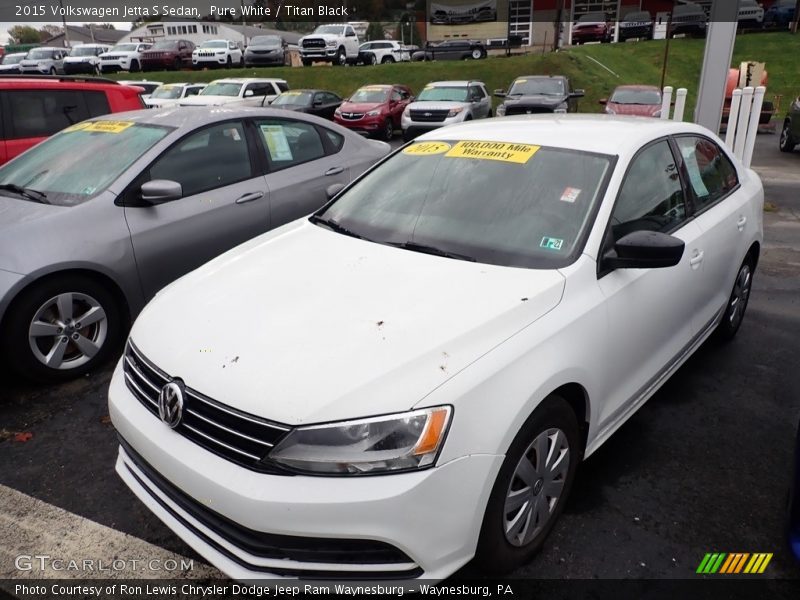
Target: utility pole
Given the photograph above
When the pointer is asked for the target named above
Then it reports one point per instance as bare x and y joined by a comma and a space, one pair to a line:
557, 25
64, 23
796, 16
666, 47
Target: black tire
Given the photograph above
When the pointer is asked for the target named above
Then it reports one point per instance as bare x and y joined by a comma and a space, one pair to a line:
737, 301
387, 60
373, 60
14, 340
241, 62
476, 54
52, 71
228, 62
387, 133
176, 64
495, 554
786, 142
135, 68
341, 58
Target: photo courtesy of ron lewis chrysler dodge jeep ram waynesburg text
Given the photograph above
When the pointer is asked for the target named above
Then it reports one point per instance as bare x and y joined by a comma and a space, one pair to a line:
408, 378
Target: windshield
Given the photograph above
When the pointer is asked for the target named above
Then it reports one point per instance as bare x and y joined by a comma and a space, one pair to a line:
637, 17
444, 94
531, 87
497, 203
370, 95
293, 98
164, 45
636, 97
40, 54
167, 92
593, 18
266, 40
81, 161
124, 48
334, 29
220, 88
212, 44
84, 51
12, 59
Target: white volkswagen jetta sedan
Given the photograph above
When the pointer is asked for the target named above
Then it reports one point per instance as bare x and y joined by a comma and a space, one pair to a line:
410, 377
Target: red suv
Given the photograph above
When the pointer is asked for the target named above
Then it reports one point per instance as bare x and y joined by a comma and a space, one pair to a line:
592, 27
167, 54
34, 108
374, 109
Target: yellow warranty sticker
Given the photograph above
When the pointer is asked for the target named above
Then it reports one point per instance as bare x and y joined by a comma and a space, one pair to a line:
77, 127
426, 148
502, 151
108, 126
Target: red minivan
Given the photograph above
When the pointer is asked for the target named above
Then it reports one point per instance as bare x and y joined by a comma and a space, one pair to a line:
34, 108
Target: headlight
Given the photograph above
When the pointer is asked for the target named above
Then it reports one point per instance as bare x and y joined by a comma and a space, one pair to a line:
330, 43
501, 110
338, 112
220, 52
454, 111
657, 114
374, 113
407, 112
610, 111
386, 444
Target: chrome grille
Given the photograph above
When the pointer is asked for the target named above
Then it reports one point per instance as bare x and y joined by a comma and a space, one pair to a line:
351, 116
428, 116
527, 110
237, 436
113, 57
314, 43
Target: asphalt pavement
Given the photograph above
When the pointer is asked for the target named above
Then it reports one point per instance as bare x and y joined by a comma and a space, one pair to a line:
703, 467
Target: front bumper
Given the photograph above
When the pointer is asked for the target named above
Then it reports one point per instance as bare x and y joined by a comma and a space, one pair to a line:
367, 125
158, 64
81, 67
35, 70
199, 61
264, 59
319, 54
418, 128
114, 66
427, 523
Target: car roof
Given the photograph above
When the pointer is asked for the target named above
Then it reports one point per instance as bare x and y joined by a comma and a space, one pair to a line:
541, 77
630, 86
247, 80
602, 134
183, 118
455, 83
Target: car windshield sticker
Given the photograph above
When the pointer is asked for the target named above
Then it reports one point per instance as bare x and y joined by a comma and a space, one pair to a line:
521, 81
551, 243
102, 126
277, 144
78, 126
503, 151
570, 195
690, 158
292, 94
426, 148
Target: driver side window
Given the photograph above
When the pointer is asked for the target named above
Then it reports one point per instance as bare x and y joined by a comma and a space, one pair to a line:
651, 197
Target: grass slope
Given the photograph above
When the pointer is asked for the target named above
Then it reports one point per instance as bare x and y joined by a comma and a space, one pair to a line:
636, 62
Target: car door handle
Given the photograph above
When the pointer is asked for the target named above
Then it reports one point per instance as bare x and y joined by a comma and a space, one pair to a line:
249, 197
741, 223
696, 259
334, 171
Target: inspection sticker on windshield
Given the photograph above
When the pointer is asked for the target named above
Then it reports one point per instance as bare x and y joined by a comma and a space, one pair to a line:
503, 151
108, 126
570, 195
426, 148
551, 243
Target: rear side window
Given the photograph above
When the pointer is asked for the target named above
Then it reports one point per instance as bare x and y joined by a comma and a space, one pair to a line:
290, 143
41, 113
97, 103
336, 139
711, 174
282, 86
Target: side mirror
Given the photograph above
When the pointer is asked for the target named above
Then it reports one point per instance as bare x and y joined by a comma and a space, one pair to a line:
500, 93
577, 94
645, 250
248, 93
159, 191
333, 189
603, 101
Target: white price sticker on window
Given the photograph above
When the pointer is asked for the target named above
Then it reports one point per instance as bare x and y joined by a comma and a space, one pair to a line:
277, 144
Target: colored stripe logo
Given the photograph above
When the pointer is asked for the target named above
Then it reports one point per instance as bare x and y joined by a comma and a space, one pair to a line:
733, 563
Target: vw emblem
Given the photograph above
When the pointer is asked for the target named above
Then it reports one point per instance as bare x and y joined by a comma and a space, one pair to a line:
170, 403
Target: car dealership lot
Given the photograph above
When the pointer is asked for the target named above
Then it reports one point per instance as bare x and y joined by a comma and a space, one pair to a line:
702, 467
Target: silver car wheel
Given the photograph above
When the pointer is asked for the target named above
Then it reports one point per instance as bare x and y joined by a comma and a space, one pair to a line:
536, 487
740, 295
68, 330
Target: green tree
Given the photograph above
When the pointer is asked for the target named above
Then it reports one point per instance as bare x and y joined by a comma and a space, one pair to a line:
375, 31
25, 34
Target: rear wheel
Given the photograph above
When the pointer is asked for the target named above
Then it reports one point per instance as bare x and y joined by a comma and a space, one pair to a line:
61, 328
373, 60
531, 488
737, 303
387, 60
477, 54
787, 141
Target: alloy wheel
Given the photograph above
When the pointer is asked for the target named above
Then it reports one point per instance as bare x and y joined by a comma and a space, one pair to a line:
740, 296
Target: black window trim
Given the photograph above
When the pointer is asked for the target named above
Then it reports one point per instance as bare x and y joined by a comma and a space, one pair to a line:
608, 238
687, 180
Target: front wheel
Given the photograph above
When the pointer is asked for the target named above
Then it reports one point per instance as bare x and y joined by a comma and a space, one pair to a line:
737, 303
61, 328
176, 64
531, 488
134, 66
787, 142
341, 57
477, 54
229, 62
388, 130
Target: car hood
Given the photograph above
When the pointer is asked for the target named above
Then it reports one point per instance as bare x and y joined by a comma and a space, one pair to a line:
209, 100
295, 107
32, 62
324, 36
112, 53
641, 110
535, 100
436, 105
361, 106
18, 216
303, 325
160, 102
276, 47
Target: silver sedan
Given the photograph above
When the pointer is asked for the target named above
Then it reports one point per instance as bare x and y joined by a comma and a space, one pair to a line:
95, 220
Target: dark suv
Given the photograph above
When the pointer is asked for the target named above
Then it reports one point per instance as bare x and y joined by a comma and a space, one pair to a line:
538, 94
167, 54
34, 108
637, 24
451, 50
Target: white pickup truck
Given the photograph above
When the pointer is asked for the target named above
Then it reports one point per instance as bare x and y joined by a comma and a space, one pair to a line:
336, 43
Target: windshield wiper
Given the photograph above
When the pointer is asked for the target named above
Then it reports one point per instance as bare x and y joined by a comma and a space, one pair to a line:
28, 193
425, 249
335, 226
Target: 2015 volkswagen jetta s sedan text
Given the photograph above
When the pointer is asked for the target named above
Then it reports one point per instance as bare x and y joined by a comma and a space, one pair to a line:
410, 377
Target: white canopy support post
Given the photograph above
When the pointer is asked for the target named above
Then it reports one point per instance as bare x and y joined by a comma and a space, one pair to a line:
733, 118
744, 121
752, 128
680, 104
666, 101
